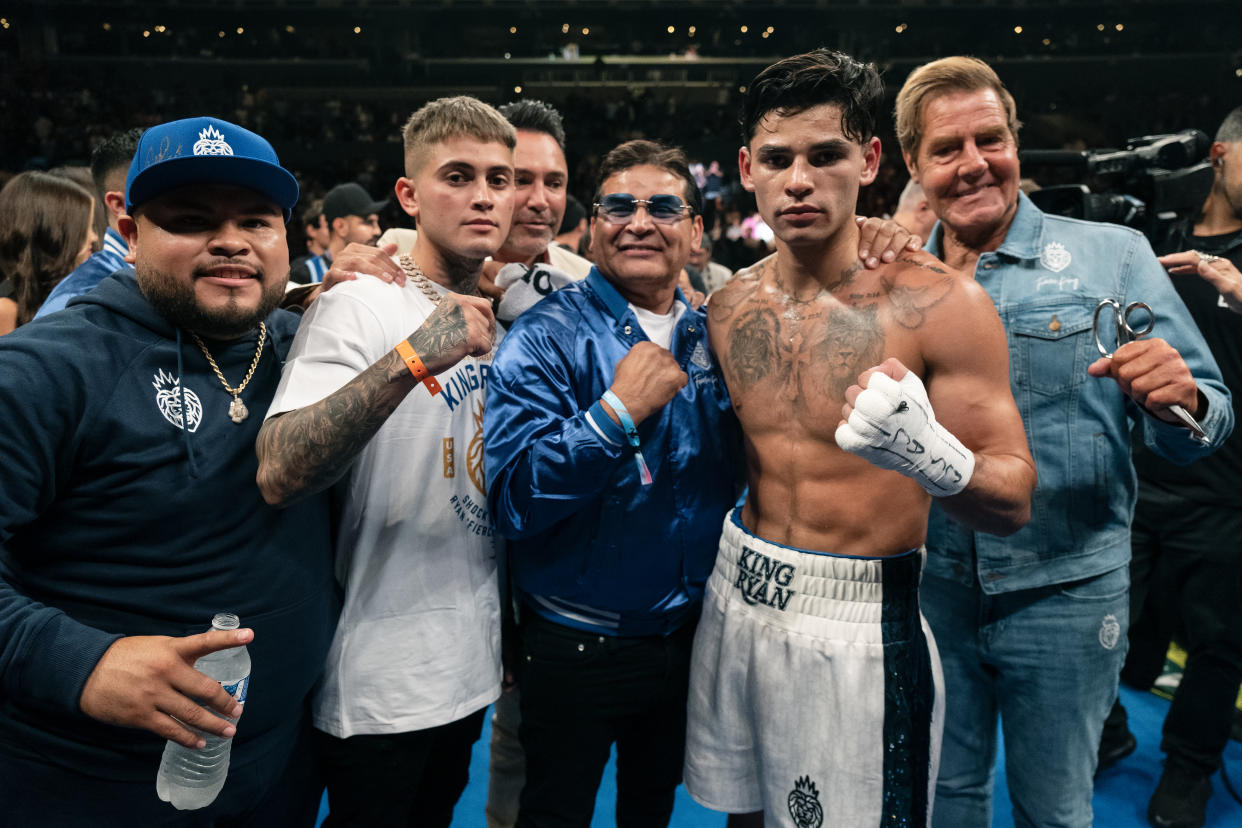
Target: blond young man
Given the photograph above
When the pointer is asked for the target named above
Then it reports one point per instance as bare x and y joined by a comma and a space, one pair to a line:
415, 660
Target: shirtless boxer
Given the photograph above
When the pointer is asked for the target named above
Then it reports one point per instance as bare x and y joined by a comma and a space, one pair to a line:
815, 687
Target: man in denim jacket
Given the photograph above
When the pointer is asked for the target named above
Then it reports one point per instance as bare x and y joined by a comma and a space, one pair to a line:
1032, 627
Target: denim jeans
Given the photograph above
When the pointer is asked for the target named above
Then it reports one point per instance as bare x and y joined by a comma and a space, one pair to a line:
1046, 661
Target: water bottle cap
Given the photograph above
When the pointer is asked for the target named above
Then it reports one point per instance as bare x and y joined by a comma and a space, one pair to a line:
225, 621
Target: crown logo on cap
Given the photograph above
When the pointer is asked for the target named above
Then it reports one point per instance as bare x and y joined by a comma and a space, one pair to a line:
211, 142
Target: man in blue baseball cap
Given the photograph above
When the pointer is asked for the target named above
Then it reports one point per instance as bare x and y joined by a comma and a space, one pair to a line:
129, 513
198, 150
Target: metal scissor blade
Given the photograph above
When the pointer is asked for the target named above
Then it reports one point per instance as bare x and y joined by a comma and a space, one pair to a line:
1196, 431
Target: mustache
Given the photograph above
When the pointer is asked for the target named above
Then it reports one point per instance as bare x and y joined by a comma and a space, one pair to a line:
255, 271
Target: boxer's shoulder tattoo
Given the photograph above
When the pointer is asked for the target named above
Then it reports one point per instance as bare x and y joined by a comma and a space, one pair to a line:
933, 265
725, 302
752, 346
910, 302
753, 273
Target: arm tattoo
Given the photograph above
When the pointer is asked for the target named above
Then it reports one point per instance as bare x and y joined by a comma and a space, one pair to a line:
752, 346
444, 330
305, 451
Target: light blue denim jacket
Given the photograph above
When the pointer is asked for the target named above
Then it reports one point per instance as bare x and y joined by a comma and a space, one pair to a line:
1046, 279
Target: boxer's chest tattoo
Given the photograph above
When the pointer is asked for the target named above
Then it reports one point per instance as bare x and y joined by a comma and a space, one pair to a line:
851, 343
752, 346
812, 354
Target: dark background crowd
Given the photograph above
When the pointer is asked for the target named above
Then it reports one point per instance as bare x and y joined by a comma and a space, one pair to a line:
331, 86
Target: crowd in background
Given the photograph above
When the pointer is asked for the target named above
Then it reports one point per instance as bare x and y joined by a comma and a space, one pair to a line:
53, 216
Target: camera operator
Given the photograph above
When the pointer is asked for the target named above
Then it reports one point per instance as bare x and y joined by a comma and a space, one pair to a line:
1185, 555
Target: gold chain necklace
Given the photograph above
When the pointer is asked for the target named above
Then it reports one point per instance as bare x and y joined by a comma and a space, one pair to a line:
420, 280
237, 408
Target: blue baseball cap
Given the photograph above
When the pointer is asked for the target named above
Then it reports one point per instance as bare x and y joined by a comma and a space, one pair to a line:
206, 151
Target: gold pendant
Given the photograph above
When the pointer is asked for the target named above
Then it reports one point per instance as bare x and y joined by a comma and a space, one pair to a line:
238, 410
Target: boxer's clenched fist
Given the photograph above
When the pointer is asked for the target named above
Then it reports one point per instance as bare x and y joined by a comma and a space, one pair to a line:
891, 425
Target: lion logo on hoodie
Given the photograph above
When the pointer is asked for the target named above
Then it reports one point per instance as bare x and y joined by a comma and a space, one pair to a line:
168, 399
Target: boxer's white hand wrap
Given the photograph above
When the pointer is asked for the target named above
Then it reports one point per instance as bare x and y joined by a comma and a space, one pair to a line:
893, 427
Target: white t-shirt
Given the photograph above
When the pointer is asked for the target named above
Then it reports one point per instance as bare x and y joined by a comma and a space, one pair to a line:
418, 643
659, 326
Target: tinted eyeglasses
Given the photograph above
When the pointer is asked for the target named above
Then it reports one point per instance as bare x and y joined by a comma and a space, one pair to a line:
619, 208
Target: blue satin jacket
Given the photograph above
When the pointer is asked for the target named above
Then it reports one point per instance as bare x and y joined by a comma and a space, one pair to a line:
590, 546
1046, 280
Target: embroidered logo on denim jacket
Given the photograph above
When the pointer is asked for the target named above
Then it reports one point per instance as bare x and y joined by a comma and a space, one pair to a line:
1055, 257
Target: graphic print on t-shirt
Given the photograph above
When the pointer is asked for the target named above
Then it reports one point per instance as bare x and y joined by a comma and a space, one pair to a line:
474, 453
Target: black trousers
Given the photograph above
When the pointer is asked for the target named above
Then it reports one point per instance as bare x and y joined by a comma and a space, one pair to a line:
35, 793
1186, 577
582, 692
400, 780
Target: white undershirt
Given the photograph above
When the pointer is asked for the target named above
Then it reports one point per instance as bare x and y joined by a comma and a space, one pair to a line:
659, 326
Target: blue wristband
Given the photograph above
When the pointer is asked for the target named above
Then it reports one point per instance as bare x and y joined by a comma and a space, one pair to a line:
631, 434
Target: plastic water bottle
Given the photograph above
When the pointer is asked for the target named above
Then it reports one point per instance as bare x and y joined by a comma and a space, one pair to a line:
190, 778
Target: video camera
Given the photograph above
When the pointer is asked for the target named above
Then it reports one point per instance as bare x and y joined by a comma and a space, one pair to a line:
1156, 184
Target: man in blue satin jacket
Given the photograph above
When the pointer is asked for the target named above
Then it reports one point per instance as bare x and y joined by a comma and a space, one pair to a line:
612, 454
1032, 627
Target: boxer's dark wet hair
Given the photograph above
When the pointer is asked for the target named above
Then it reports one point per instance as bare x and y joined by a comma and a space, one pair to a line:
798, 83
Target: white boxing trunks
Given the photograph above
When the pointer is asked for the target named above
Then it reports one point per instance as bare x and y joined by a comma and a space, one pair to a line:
815, 688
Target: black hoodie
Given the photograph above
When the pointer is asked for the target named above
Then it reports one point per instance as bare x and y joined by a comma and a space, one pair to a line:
115, 520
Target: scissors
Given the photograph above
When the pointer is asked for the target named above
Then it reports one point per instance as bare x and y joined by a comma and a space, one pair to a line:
1125, 332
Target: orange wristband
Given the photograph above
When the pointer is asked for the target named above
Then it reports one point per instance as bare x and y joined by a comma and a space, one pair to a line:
420, 372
